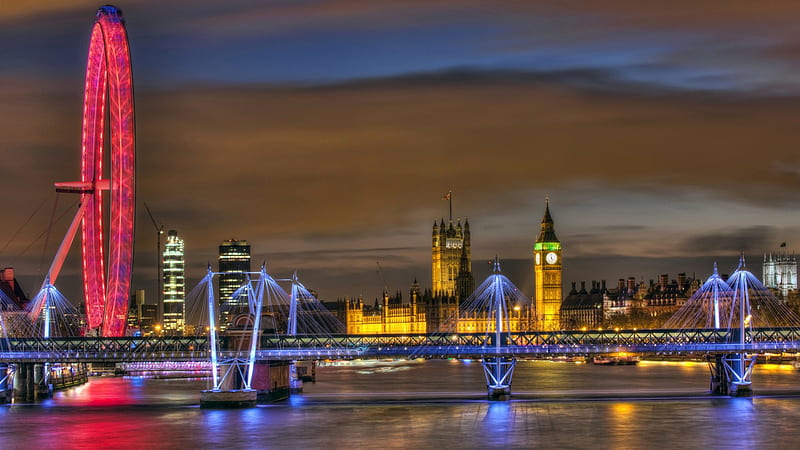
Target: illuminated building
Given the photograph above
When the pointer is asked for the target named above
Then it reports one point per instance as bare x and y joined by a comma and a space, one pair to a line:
436, 309
174, 293
547, 273
424, 313
780, 272
451, 266
390, 316
234, 264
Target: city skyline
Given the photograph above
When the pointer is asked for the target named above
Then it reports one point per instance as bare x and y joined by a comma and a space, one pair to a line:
325, 134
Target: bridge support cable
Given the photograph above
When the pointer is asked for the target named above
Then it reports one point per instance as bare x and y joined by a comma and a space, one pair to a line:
748, 314
58, 317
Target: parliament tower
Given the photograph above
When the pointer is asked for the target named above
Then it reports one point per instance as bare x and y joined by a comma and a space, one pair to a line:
452, 260
547, 273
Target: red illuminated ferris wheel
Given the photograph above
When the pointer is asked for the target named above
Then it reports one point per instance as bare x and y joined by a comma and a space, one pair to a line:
108, 93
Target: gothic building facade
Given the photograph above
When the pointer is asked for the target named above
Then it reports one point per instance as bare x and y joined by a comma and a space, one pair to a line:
780, 272
451, 260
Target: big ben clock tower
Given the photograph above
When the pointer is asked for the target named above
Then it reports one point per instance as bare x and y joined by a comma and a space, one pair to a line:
547, 273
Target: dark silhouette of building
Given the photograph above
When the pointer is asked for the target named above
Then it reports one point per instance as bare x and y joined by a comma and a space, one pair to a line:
12, 290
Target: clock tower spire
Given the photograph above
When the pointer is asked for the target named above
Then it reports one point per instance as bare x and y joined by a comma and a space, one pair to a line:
547, 273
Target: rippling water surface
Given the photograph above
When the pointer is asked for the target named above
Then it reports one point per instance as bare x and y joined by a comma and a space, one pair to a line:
427, 404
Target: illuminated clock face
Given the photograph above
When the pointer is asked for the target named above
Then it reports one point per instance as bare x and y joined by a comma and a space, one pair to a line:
551, 258
538, 258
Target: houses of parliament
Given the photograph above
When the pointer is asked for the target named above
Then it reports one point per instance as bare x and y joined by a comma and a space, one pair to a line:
439, 308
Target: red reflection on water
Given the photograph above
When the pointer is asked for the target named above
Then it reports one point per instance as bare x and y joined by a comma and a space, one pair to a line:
102, 392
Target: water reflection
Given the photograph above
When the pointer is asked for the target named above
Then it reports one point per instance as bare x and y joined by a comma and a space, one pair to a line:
498, 416
426, 404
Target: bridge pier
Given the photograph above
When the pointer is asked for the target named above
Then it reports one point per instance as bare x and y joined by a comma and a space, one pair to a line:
23, 382
231, 392
719, 377
30, 382
731, 375
295, 382
270, 383
499, 371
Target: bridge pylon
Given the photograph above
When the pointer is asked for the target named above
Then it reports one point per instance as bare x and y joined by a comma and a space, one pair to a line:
738, 367
493, 299
233, 388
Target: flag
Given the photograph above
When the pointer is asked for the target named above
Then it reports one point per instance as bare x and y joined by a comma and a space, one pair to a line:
447, 196
783, 244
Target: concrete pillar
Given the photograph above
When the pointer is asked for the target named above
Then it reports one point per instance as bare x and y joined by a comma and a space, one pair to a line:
41, 386
295, 383
23, 382
719, 377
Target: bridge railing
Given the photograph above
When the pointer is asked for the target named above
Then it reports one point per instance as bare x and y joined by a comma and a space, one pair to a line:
109, 345
417, 345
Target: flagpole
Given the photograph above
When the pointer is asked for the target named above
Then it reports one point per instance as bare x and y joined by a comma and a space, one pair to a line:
450, 197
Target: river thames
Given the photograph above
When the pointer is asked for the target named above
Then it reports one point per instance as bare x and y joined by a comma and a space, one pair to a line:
426, 404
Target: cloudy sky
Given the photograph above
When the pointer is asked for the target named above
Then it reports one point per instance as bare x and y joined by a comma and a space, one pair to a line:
326, 132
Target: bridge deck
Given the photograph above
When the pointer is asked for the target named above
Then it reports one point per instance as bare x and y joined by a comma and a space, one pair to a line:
304, 347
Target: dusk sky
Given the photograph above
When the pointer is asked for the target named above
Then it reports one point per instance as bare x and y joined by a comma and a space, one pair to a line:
326, 133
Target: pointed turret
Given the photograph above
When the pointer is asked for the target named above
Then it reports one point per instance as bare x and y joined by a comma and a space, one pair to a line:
451, 260
547, 231
465, 282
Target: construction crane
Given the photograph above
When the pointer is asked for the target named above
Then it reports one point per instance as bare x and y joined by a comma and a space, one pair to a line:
159, 263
